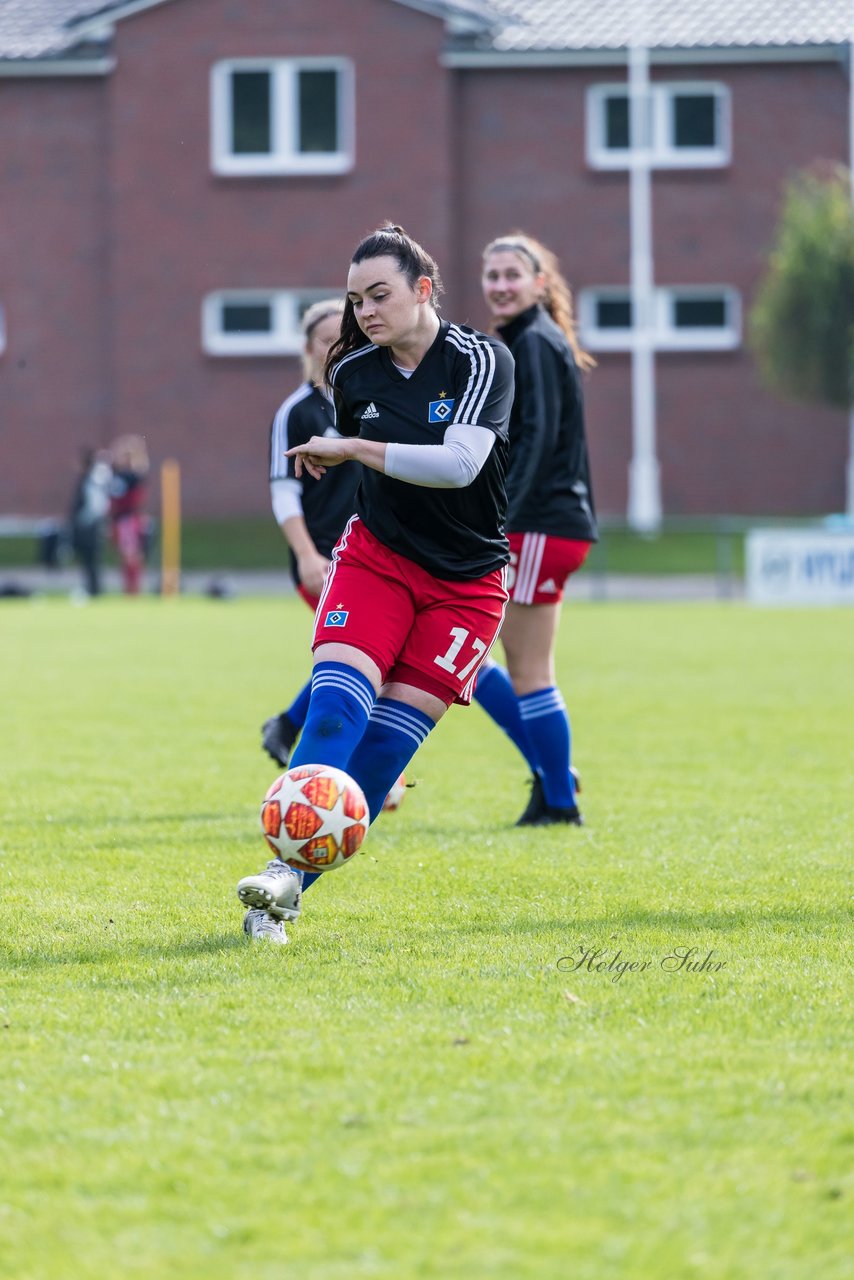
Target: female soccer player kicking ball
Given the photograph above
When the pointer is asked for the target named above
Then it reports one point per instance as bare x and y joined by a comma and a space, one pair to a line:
415, 593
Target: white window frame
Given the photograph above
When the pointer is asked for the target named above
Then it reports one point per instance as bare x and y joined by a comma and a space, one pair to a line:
666, 335
285, 337
283, 158
663, 153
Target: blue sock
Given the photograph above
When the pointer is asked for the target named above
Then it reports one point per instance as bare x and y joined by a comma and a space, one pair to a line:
494, 692
341, 701
298, 710
547, 724
395, 732
340, 704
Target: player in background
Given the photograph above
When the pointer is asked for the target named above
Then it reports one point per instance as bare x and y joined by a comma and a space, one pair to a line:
551, 522
310, 515
128, 495
90, 506
415, 594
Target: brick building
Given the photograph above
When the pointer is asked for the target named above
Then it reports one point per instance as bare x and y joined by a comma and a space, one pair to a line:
179, 177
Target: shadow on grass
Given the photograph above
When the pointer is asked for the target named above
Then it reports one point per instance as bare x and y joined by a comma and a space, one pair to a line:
611, 928
131, 820
205, 945
67, 954
185, 818
620, 920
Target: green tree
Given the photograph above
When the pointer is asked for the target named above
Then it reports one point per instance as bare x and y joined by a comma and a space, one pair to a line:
802, 323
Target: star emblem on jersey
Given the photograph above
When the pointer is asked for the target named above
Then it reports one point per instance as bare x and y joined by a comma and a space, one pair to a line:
371, 412
440, 410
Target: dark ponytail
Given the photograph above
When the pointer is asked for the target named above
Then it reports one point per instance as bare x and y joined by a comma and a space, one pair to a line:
388, 241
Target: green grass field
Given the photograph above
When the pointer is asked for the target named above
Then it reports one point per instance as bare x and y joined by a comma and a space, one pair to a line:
421, 1084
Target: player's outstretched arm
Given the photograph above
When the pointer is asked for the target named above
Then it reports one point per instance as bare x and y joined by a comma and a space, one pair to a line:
321, 452
450, 465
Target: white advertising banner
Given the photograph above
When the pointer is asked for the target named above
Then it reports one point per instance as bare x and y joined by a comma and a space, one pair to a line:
800, 566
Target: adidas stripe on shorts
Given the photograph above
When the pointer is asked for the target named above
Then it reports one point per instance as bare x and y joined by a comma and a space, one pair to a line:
540, 566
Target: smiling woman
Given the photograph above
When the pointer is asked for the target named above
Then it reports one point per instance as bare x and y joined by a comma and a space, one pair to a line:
551, 523
415, 593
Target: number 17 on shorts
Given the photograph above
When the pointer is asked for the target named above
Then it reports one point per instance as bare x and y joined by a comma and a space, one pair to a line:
454, 660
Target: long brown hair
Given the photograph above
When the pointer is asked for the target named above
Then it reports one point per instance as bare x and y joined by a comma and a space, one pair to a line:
557, 298
388, 241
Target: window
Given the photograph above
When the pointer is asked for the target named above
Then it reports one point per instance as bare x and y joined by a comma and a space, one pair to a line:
251, 132
686, 318
689, 125
256, 322
616, 109
613, 313
282, 116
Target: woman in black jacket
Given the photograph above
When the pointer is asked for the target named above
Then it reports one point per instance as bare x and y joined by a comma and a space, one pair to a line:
551, 523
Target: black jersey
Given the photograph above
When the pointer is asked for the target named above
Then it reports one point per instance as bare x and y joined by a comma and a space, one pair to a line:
326, 506
548, 483
465, 378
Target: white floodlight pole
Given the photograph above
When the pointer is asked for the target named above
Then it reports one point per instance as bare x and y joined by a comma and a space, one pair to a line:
849, 470
644, 512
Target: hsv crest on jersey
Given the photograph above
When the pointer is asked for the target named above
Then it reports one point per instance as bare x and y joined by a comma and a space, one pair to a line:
371, 412
440, 410
336, 618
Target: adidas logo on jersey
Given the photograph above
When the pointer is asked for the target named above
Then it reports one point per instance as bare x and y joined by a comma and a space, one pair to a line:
549, 587
370, 412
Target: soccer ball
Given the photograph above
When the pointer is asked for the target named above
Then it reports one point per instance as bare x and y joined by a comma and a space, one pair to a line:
394, 799
315, 817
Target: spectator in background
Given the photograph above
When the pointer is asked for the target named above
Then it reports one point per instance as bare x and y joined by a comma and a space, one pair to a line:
90, 506
128, 494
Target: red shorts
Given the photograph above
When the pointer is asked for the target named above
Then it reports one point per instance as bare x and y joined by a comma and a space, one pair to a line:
129, 533
428, 632
540, 566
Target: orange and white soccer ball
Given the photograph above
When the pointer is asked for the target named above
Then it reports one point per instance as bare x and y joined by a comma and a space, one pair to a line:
394, 799
315, 817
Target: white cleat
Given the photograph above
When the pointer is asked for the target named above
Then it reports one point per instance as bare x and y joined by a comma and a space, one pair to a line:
277, 890
262, 927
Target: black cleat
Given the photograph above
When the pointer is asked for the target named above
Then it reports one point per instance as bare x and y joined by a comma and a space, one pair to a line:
536, 803
537, 812
278, 735
551, 817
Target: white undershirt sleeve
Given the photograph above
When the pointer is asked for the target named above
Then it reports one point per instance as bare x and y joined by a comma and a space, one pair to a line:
286, 496
450, 465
